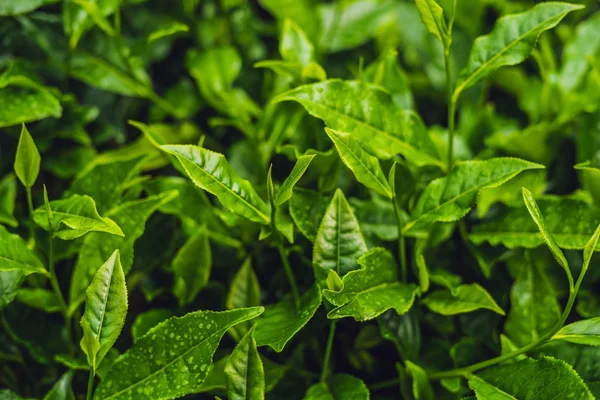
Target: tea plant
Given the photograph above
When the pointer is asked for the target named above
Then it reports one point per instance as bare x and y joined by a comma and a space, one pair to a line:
299, 199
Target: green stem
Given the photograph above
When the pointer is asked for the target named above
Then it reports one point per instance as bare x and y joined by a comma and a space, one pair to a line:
384, 384
401, 243
325, 371
30, 208
289, 273
56, 288
90, 389
451, 108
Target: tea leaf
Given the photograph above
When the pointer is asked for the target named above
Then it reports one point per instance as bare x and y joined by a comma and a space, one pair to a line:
421, 388
484, 390
511, 41
339, 242
244, 371
338, 387
15, 255
365, 167
432, 16
192, 265
39, 298
62, 389
78, 216
8, 196
105, 310
294, 45
370, 291
386, 73
349, 106
450, 198
16, 7
245, 289
172, 359
307, 209
583, 42
27, 160
211, 172
285, 191
586, 331
282, 321
465, 298
148, 320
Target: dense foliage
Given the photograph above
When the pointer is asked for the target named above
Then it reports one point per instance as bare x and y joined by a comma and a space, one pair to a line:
299, 199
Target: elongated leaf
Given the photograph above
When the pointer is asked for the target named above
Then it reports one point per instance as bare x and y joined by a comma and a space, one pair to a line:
365, 167
586, 332
98, 246
338, 387
62, 389
570, 221
585, 41
539, 220
244, 290
148, 320
511, 41
172, 359
307, 209
285, 191
15, 255
370, 116
534, 304
432, 16
244, 371
211, 172
387, 73
370, 291
39, 298
282, 321
18, 105
77, 216
27, 160
8, 196
543, 379
485, 391
16, 7
465, 298
294, 45
450, 198
192, 265
339, 241
105, 310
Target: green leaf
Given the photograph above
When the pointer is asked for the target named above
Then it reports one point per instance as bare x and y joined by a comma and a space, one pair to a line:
294, 46
245, 289
402, 184
10, 281
98, 246
465, 298
570, 221
287, 187
510, 42
15, 255
16, 7
211, 172
339, 242
593, 164
484, 390
370, 116
534, 304
105, 310
244, 371
27, 160
39, 298
192, 265
148, 320
432, 16
307, 209
77, 215
8, 196
538, 218
169, 29
338, 387
92, 8
172, 359
450, 198
370, 291
19, 105
387, 73
365, 167
62, 388
282, 321
543, 379
586, 332
421, 388
583, 42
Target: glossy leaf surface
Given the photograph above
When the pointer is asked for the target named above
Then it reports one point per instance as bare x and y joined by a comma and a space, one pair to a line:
244, 372
465, 298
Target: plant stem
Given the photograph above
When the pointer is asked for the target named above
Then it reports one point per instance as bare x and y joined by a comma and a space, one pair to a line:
384, 384
56, 287
90, 389
401, 243
325, 370
30, 208
289, 273
451, 107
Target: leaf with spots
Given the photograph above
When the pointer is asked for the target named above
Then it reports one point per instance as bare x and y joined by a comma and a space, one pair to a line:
244, 372
172, 359
105, 310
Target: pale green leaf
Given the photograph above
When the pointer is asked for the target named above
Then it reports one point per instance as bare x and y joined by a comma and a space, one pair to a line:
105, 310
371, 290
511, 41
8, 196
62, 388
302, 12
339, 242
211, 172
287, 187
543, 379
192, 265
365, 167
282, 321
15, 255
169, 29
586, 331
74, 217
450, 198
244, 372
370, 116
465, 298
173, 358
387, 73
27, 160
93, 9
432, 16
485, 391
338, 387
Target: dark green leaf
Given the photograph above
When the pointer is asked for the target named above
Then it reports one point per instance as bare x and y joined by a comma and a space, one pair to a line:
244, 371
